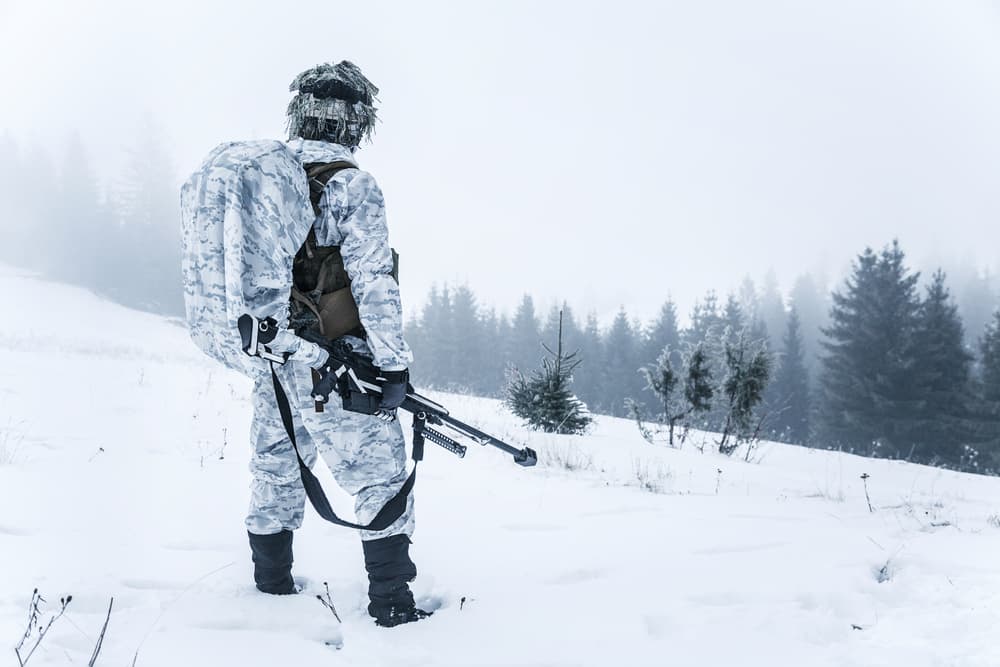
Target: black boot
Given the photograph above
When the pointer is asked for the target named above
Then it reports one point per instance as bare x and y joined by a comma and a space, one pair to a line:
389, 571
272, 562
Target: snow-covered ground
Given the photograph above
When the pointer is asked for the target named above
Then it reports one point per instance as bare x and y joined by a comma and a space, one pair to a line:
123, 473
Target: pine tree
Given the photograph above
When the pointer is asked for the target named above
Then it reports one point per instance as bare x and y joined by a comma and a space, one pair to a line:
545, 400
811, 306
664, 333
431, 339
705, 318
789, 398
748, 299
989, 349
570, 329
590, 379
870, 395
772, 310
677, 395
944, 368
988, 434
468, 354
748, 369
491, 370
734, 322
524, 350
621, 364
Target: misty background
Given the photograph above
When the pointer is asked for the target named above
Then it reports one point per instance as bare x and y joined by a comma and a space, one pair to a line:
609, 159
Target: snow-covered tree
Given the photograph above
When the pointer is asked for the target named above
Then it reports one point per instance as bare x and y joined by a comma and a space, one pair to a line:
679, 393
748, 369
545, 400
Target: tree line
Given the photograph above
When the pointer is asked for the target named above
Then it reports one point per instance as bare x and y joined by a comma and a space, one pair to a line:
879, 366
121, 240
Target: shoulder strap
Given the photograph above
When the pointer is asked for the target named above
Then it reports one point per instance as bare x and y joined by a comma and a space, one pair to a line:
319, 174
390, 512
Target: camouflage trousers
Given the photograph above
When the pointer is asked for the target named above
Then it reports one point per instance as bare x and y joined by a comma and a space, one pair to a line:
366, 456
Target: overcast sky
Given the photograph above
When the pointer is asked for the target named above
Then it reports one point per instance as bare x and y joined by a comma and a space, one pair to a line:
607, 153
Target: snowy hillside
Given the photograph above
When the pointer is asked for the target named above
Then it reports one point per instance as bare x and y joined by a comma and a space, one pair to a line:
123, 472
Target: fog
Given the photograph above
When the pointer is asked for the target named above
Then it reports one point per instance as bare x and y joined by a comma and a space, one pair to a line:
608, 154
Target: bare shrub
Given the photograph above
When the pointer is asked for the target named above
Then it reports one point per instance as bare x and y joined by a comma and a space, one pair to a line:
567, 457
653, 476
36, 630
11, 440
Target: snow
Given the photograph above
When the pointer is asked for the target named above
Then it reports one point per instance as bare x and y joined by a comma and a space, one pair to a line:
123, 472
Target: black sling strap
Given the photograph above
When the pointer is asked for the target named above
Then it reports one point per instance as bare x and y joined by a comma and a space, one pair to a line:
386, 516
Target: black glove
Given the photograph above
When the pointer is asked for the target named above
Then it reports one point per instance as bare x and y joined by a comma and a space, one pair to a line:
394, 385
327, 382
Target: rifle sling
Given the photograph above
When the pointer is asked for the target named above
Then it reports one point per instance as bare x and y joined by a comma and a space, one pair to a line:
390, 512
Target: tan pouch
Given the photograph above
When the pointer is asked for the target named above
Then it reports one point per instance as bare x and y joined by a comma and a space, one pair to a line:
338, 313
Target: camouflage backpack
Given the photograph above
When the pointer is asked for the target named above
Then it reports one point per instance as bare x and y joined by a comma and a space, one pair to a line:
321, 299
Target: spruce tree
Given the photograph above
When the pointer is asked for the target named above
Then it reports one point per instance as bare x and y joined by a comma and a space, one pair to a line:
788, 394
466, 344
621, 364
431, 339
812, 309
733, 320
748, 370
870, 396
545, 400
679, 394
772, 311
524, 351
570, 329
988, 434
664, 333
590, 379
705, 318
943, 367
491, 371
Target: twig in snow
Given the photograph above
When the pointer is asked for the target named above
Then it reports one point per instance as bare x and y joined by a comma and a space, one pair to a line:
100, 638
328, 602
34, 614
718, 480
864, 478
100, 450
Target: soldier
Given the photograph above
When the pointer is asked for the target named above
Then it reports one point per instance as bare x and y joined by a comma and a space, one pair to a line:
331, 113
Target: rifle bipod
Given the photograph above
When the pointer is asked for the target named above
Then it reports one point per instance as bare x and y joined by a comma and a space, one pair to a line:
421, 431
426, 411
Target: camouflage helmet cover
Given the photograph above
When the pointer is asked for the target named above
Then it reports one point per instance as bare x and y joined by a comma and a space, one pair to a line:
333, 103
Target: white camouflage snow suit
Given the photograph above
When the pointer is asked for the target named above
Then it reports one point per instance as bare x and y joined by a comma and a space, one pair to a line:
260, 189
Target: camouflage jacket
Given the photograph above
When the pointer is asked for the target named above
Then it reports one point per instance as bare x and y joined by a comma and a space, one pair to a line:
352, 216
246, 212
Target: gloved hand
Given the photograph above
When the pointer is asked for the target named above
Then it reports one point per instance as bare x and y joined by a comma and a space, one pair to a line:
325, 381
394, 385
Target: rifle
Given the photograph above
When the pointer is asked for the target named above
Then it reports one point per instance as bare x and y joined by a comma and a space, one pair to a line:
356, 380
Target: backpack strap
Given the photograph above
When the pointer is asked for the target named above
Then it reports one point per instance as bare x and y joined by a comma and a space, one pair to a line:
319, 174
390, 512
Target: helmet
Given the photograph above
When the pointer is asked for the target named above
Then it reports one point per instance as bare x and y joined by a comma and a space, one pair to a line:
334, 103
